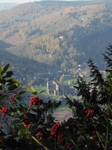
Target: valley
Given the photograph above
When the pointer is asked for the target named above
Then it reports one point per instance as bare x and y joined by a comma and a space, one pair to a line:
54, 36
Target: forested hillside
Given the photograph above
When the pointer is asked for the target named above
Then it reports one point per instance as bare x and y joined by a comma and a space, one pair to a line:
60, 34
23, 67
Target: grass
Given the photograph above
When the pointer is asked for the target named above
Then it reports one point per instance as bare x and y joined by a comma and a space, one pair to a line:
70, 79
40, 89
83, 16
62, 108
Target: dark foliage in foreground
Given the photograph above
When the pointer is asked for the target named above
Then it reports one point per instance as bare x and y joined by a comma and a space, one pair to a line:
34, 127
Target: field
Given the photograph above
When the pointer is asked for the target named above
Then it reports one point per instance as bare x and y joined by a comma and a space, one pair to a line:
70, 79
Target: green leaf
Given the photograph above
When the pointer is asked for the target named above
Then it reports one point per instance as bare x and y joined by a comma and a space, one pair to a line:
14, 80
15, 122
11, 81
11, 105
13, 87
21, 92
5, 69
9, 74
0, 70
43, 91
40, 126
1, 78
7, 136
18, 111
32, 89
19, 132
3, 96
0, 87
12, 113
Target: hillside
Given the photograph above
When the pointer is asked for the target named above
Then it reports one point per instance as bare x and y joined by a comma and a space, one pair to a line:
60, 34
23, 68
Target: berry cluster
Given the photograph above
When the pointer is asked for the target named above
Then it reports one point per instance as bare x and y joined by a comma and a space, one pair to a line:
28, 126
60, 138
40, 135
12, 98
36, 101
15, 95
89, 112
68, 145
3, 111
55, 129
27, 122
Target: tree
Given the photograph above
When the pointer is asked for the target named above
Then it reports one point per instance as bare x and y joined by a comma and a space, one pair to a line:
91, 126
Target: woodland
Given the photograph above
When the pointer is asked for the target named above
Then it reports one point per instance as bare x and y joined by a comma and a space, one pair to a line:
55, 34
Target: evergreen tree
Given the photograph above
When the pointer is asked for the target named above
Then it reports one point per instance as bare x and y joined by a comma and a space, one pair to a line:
91, 124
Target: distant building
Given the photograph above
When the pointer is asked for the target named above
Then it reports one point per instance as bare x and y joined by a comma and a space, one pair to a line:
61, 37
59, 89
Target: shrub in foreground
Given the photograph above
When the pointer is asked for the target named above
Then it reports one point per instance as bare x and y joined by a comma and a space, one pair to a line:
31, 125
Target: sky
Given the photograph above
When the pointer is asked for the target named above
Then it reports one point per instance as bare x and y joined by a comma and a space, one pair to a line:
16, 1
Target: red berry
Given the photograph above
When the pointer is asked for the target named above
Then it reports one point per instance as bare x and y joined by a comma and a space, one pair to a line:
68, 145
55, 129
40, 138
3, 110
35, 101
14, 95
11, 98
89, 112
29, 126
60, 138
93, 137
1, 141
25, 126
39, 133
108, 114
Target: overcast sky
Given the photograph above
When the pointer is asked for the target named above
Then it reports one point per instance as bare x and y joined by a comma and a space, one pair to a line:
16, 1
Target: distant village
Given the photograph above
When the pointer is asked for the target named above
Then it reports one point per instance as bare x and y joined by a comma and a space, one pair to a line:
57, 88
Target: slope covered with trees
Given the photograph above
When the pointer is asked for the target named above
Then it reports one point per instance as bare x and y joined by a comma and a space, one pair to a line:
60, 34
22, 66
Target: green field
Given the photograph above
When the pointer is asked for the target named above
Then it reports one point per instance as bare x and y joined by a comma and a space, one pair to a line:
42, 91
70, 79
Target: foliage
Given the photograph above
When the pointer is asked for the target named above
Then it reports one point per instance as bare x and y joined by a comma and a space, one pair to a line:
56, 32
32, 126
92, 124
20, 122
